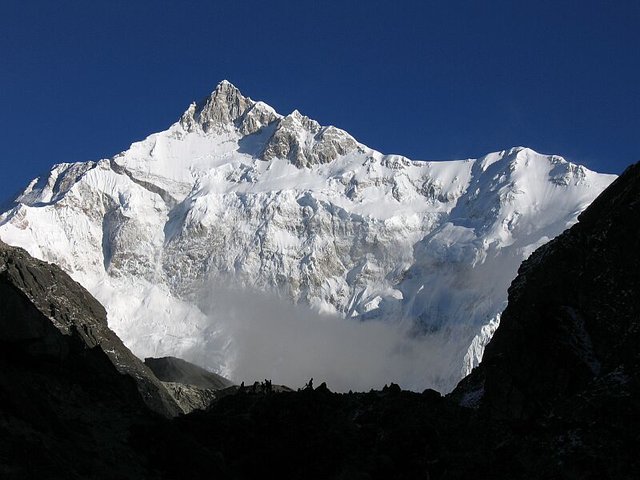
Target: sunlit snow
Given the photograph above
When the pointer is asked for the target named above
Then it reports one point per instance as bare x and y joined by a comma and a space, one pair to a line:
413, 257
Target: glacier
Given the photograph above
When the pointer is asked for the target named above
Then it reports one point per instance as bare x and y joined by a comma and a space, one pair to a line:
236, 194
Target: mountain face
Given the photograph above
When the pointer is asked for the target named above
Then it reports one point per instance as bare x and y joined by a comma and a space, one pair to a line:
562, 372
70, 392
556, 395
576, 299
46, 315
236, 193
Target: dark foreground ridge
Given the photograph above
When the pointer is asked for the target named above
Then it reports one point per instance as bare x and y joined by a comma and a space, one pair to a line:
70, 392
556, 396
45, 313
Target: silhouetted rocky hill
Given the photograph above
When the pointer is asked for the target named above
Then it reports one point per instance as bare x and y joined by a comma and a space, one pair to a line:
565, 361
70, 392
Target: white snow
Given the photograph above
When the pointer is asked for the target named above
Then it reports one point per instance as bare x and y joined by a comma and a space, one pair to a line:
282, 204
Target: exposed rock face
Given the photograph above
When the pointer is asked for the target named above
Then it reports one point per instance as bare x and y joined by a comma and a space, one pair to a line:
193, 387
70, 393
172, 369
226, 108
573, 316
305, 143
565, 361
190, 397
45, 314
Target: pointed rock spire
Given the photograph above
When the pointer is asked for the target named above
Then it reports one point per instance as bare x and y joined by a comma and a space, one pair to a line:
296, 137
227, 108
223, 107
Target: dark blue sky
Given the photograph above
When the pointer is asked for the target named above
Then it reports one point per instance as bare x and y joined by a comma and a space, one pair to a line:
81, 80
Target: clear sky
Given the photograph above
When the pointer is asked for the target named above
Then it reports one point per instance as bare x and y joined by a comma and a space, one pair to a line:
81, 80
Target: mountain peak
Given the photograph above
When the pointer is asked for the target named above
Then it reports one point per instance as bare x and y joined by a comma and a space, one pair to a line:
219, 111
226, 88
225, 83
226, 108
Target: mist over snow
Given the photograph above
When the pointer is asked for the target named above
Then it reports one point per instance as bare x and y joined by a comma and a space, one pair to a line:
235, 189
270, 338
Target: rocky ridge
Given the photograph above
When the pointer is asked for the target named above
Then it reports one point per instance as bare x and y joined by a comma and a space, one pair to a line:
575, 297
46, 314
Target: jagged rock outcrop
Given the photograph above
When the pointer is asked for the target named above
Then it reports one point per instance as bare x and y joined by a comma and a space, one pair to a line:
45, 314
193, 387
227, 108
306, 143
573, 316
564, 365
190, 397
71, 394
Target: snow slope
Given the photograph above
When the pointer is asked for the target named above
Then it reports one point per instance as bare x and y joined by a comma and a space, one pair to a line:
235, 192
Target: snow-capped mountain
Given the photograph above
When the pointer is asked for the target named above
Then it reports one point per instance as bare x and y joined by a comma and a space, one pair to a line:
235, 192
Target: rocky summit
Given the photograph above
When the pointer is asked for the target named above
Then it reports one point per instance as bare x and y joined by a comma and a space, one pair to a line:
236, 194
